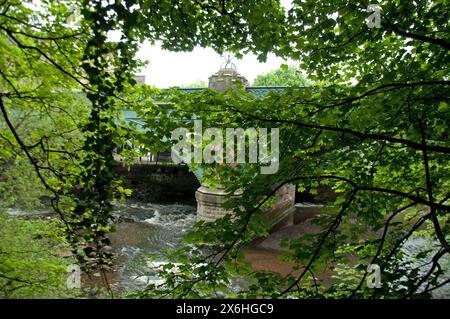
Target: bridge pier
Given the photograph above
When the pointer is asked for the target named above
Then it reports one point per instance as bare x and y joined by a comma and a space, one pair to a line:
281, 214
210, 201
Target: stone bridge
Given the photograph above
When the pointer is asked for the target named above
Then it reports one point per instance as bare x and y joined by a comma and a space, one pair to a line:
210, 201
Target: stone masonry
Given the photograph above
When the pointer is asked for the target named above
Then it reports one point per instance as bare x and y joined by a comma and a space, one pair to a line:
210, 201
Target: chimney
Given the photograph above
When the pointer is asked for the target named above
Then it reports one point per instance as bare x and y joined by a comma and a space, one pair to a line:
140, 79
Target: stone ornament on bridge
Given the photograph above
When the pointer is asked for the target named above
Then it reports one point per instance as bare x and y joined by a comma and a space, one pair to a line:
227, 77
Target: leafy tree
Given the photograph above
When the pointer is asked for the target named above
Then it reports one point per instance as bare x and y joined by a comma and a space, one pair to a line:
56, 58
33, 263
377, 133
198, 84
283, 76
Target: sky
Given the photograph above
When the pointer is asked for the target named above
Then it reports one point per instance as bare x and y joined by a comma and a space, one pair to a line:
167, 68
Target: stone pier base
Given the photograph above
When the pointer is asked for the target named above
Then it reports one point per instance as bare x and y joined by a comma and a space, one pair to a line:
209, 203
281, 214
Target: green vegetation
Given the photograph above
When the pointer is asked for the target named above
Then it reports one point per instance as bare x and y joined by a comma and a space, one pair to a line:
284, 76
376, 133
34, 258
373, 125
198, 84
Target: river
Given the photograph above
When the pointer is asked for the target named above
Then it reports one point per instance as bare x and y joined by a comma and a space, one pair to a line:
147, 229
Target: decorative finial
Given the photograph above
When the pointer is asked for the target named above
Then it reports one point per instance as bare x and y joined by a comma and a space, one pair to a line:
228, 59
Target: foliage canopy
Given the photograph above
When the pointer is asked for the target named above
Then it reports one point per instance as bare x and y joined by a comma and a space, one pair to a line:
374, 127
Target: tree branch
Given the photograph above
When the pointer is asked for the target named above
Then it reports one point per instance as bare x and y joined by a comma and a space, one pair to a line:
323, 238
381, 245
440, 235
381, 137
424, 38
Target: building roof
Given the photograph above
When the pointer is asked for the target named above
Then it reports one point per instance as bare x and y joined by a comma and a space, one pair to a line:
258, 92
